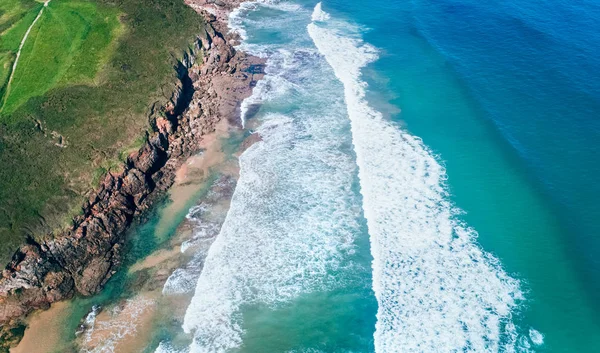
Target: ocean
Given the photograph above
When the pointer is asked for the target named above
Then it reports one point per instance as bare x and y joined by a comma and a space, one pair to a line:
425, 181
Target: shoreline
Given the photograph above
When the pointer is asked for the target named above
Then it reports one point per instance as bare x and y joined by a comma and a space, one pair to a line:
44, 273
152, 306
45, 326
107, 330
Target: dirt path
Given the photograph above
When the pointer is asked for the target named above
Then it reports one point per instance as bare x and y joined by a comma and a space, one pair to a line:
14, 67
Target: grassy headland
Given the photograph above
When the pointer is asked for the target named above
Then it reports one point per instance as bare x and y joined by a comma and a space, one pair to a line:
80, 97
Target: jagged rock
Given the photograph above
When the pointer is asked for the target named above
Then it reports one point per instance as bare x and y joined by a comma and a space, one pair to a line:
164, 126
150, 159
89, 280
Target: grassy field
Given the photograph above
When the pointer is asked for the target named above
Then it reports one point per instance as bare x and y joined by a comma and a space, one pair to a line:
15, 18
80, 96
70, 42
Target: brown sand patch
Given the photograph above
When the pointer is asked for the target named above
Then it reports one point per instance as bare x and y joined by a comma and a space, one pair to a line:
249, 141
44, 331
155, 259
192, 176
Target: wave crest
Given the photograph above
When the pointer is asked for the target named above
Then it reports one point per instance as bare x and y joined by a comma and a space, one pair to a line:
437, 289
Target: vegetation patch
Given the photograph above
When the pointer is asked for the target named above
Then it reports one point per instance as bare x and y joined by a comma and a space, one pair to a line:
80, 98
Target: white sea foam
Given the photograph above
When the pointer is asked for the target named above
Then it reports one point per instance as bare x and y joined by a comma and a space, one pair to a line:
536, 337
319, 15
237, 17
276, 242
292, 220
280, 60
124, 323
90, 321
165, 347
437, 290
270, 87
182, 280
206, 221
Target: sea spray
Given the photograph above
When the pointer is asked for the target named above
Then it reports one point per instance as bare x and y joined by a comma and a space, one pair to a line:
436, 289
165, 347
319, 15
90, 321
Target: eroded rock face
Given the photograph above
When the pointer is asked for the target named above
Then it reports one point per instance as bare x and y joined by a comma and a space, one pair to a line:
82, 259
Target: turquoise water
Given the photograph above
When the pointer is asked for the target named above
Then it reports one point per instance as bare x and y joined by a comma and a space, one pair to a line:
425, 182
506, 95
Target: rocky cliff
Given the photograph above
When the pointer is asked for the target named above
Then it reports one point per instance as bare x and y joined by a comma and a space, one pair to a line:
214, 79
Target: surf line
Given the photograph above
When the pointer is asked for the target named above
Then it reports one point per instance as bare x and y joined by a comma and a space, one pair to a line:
14, 67
436, 288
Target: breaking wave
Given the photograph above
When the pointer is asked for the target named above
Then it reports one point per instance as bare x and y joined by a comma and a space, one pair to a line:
292, 223
437, 290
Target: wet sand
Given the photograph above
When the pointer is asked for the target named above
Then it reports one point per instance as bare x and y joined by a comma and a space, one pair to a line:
43, 333
125, 328
192, 176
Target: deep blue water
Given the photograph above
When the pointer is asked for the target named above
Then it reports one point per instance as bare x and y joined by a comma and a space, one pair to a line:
533, 70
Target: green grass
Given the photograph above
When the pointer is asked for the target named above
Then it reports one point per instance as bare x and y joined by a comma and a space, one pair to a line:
13, 11
96, 95
15, 18
68, 44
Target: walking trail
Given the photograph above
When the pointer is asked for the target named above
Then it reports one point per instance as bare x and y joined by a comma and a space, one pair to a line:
14, 67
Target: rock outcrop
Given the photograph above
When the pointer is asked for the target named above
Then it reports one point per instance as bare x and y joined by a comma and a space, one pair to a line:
82, 259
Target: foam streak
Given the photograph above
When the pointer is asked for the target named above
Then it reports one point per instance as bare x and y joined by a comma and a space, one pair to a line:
292, 222
437, 290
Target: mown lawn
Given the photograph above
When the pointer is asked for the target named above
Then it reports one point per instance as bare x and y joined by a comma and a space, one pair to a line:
79, 100
68, 44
